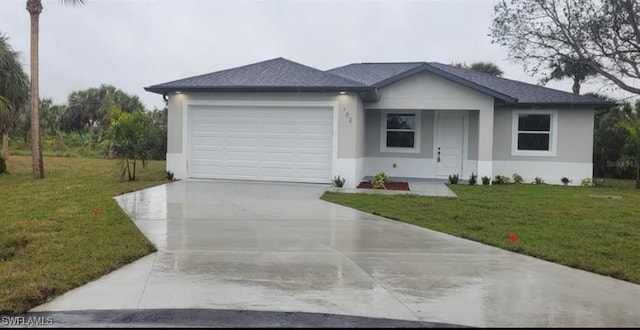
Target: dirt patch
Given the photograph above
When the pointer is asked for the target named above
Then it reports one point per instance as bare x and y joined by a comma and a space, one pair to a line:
393, 185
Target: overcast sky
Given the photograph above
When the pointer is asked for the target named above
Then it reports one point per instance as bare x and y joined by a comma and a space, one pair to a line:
136, 43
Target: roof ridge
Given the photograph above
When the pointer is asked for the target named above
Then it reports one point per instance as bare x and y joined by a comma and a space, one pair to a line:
417, 62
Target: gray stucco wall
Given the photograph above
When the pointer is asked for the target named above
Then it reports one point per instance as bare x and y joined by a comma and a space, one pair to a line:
373, 131
174, 124
348, 126
472, 152
373, 124
575, 136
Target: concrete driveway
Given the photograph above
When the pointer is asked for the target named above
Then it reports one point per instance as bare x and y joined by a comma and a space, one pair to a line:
277, 247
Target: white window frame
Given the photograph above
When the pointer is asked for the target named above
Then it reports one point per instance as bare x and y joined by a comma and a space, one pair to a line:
416, 136
553, 134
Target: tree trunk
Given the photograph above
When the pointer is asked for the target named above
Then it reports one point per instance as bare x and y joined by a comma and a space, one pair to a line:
35, 8
124, 170
5, 145
99, 138
112, 149
576, 86
91, 133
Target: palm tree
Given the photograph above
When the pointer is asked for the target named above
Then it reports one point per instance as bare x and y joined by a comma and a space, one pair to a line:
14, 91
34, 7
569, 67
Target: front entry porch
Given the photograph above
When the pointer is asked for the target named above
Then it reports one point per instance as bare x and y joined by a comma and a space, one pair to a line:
425, 144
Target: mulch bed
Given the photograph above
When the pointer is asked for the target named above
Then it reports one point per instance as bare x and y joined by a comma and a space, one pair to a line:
393, 185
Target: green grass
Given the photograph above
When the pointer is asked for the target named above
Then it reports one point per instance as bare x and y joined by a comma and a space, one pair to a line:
565, 225
615, 183
50, 240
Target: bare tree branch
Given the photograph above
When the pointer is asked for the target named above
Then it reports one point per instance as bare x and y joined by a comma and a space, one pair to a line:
601, 34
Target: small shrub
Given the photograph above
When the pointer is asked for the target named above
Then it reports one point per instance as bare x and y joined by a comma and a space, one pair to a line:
502, 179
170, 176
454, 178
586, 182
517, 179
473, 179
338, 181
3, 166
565, 181
486, 180
380, 180
538, 180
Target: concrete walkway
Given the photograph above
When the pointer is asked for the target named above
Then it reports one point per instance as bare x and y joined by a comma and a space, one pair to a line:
277, 247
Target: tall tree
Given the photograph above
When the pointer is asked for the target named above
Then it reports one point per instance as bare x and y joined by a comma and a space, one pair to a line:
14, 91
91, 109
602, 34
34, 7
487, 67
570, 68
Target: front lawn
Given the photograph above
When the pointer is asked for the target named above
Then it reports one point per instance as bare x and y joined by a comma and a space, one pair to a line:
66, 230
566, 225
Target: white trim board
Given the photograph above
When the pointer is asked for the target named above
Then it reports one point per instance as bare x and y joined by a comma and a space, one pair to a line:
416, 137
553, 134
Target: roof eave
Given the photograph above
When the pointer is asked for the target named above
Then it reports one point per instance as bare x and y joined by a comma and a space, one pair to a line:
557, 105
171, 89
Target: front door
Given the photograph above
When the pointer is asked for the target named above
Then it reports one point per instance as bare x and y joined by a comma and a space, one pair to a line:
449, 143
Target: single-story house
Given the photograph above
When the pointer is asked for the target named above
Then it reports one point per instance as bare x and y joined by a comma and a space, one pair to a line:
279, 120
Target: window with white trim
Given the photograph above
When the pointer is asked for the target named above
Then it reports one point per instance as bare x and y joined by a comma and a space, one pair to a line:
400, 132
534, 133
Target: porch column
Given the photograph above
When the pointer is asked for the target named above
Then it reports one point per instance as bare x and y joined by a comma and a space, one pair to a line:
485, 142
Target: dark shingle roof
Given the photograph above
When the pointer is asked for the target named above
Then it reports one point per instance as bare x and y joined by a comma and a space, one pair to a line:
280, 74
506, 90
275, 74
374, 73
525, 93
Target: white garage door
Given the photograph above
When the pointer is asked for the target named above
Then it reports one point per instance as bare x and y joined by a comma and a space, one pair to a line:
261, 143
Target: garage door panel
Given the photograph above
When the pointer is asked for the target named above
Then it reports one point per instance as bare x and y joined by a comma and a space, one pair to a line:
273, 144
311, 158
309, 174
240, 171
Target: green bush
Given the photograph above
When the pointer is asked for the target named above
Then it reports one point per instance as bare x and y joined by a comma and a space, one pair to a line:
170, 176
587, 182
3, 166
517, 179
473, 179
502, 179
486, 180
380, 180
338, 181
453, 178
538, 180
